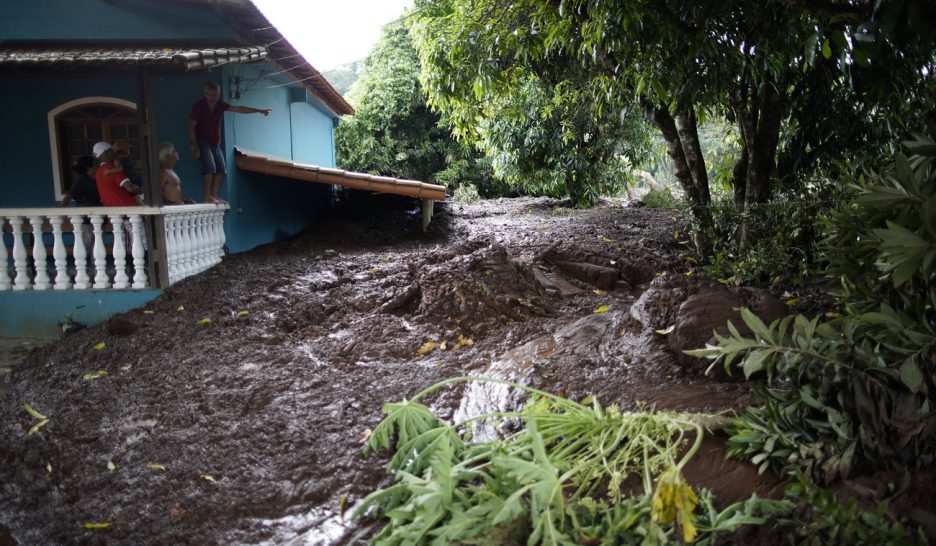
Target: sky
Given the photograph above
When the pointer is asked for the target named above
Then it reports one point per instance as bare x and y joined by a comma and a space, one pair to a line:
329, 33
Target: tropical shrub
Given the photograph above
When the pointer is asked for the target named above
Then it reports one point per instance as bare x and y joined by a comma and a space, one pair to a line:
576, 474
860, 389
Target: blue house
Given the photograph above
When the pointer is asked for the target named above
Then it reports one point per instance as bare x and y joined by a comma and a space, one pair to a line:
75, 73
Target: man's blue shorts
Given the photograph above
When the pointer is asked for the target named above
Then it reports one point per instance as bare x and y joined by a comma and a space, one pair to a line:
212, 159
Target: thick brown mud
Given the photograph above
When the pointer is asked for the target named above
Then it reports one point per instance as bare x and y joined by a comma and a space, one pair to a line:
232, 408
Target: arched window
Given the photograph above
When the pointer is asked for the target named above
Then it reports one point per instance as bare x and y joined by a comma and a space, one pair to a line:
75, 126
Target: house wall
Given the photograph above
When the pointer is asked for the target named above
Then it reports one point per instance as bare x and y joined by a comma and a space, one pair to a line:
267, 208
264, 209
135, 20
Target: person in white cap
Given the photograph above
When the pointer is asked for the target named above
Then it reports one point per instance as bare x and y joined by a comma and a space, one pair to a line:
115, 189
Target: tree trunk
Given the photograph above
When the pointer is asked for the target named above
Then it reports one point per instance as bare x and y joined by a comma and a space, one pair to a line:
759, 117
688, 171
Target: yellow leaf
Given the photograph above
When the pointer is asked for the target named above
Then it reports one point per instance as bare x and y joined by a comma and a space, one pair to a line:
126, 367
463, 342
832, 314
666, 330
373, 270
180, 308
676, 234
600, 292
32, 430
207, 478
691, 260
206, 321
155, 466
111, 466
605, 239
602, 309
342, 503
426, 347
487, 273
243, 313
674, 501
689, 273
29, 409
95, 525
793, 301
99, 346
95, 375
148, 312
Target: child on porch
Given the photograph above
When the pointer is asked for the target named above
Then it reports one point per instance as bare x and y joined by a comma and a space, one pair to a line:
168, 179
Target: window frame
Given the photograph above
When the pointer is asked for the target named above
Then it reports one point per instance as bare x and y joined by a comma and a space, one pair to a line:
56, 146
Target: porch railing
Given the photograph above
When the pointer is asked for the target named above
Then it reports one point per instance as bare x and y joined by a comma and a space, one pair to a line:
105, 248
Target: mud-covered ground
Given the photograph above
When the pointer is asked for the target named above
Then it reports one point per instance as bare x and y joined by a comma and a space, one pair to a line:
233, 406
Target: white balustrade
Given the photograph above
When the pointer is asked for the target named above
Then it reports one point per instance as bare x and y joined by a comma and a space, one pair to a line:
4, 273
19, 254
137, 252
79, 252
90, 248
62, 281
121, 280
41, 278
194, 238
104, 248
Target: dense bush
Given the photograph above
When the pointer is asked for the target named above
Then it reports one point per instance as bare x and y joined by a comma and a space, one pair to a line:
858, 390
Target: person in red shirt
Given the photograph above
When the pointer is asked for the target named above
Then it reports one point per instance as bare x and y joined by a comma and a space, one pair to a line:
204, 131
115, 189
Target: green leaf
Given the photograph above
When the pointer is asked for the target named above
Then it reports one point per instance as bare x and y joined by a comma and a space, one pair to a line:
911, 376
754, 362
826, 49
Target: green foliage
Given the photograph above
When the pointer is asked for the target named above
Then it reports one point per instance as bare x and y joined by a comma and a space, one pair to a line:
393, 132
783, 235
822, 518
561, 480
344, 76
659, 199
858, 390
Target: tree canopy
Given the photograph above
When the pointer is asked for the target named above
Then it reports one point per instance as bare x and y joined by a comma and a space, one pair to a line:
394, 133
804, 81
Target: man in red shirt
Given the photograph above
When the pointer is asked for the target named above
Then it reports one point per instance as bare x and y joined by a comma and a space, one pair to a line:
113, 186
204, 131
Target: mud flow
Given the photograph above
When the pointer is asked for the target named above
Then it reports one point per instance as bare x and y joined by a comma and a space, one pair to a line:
231, 409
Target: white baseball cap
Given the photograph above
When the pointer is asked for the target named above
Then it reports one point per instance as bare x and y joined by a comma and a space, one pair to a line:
100, 148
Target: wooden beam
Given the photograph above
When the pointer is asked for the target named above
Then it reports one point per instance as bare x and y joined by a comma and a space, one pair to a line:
152, 189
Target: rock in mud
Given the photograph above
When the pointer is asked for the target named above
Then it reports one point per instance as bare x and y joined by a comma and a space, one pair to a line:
708, 311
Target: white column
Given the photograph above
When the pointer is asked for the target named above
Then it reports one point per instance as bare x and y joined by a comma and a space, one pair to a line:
201, 233
100, 253
172, 245
19, 255
41, 280
215, 237
62, 282
139, 264
4, 256
82, 281
185, 262
119, 251
221, 236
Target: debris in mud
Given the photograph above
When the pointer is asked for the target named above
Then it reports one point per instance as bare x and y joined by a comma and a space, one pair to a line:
274, 404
